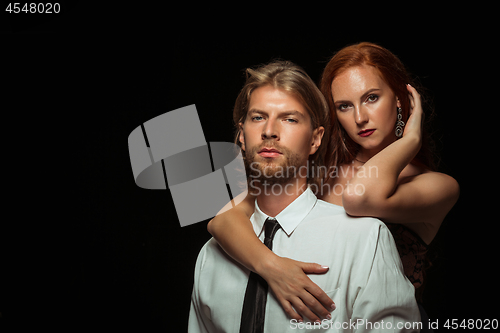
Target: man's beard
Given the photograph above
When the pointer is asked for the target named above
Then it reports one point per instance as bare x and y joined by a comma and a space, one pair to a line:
263, 170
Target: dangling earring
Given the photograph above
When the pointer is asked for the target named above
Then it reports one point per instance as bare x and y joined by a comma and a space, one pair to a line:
399, 124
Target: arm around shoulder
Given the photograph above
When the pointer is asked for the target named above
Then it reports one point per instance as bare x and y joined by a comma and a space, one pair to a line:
286, 277
426, 198
245, 207
234, 233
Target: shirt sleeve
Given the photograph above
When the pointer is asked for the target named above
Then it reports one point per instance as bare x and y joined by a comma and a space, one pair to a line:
387, 301
199, 319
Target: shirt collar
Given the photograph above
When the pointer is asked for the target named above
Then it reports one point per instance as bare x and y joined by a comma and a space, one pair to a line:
290, 217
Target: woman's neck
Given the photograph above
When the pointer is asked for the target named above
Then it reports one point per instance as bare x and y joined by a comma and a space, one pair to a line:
364, 155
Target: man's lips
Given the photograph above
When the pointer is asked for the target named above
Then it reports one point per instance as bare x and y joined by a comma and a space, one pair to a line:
366, 132
269, 152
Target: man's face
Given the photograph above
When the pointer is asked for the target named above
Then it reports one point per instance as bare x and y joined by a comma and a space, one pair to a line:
277, 134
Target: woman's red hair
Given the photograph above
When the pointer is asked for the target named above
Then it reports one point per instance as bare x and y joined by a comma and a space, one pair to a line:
341, 148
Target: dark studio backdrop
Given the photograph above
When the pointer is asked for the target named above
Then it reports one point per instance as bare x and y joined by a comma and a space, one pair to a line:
87, 249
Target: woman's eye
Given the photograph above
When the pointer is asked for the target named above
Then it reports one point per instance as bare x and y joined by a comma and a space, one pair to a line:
342, 107
372, 98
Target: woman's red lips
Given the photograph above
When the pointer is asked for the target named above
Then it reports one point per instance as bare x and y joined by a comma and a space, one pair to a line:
366, 132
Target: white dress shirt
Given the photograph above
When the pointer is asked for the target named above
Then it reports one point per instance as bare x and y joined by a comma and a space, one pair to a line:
365, 279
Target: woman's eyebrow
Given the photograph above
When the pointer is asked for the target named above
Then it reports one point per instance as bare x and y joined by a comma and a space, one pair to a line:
368, 92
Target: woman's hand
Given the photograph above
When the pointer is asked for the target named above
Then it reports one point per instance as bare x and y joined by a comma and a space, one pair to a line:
292, 287
415, 121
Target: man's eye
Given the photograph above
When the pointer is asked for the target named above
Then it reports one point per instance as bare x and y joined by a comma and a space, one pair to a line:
290, 120
257, 118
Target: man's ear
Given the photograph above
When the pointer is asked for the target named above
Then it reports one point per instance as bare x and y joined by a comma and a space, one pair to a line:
316, 139
241, 136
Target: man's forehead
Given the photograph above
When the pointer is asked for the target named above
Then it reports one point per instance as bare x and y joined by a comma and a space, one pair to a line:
268, 99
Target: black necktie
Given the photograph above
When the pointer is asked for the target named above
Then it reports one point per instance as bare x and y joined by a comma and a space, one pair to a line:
254, 306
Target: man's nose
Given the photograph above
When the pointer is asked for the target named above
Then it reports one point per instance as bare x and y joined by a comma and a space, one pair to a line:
270, 130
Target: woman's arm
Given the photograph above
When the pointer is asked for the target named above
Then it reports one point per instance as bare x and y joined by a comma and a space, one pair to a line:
426, 197
286, 277
234, 233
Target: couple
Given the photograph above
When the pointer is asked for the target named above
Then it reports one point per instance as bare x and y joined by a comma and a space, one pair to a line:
365, 116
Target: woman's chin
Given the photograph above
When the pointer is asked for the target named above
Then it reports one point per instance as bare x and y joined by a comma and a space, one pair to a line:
373, 144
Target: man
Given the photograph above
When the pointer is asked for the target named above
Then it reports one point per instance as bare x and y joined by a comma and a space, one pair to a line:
282, 118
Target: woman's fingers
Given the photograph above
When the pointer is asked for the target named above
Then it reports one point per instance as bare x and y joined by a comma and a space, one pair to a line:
414, 97
322, 298
287, 306
306, 313
299, 296
304, 303
415, 120
312, 268
315, 306
320, 303
311, 302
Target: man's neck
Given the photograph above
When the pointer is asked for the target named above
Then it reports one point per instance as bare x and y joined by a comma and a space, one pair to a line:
274, 198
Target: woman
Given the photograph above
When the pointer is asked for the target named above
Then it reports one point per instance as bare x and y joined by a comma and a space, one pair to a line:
384, 169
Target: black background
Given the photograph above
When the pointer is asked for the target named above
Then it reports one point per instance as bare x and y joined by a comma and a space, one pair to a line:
86, 249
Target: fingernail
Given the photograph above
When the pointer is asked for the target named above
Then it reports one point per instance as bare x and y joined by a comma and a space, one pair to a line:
325, 267
333, 307
328, 316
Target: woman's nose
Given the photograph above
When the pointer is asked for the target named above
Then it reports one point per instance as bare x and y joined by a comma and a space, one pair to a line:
360, 116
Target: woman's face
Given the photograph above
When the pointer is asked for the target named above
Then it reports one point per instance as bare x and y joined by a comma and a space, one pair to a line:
366, 108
